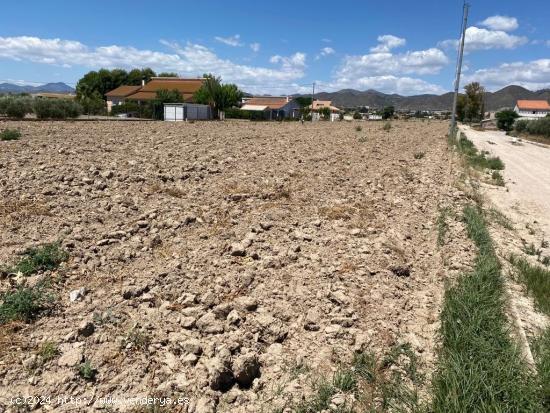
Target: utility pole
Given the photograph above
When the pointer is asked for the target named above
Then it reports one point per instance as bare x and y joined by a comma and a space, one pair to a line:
312, 99
459, 66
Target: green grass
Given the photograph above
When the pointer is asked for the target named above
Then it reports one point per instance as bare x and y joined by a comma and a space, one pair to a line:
537, 281
499, 218
45, 257
541, 353
387, 126
497, 178
480, 369
442, 226
476, 159
48, 351
22, 304
386, 384
10, 135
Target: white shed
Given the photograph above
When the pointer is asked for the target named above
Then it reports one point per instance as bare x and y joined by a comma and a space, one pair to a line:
178, 112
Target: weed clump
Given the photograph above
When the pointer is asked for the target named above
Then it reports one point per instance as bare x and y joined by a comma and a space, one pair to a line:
43, 258
10, 135
86, 371
387, 126
22, 304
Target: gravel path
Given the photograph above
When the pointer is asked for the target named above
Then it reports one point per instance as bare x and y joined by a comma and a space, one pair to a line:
527, 174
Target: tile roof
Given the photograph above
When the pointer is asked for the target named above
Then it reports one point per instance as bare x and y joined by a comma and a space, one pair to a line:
187, 87
533, 104
271, 102
318, 104
122, 91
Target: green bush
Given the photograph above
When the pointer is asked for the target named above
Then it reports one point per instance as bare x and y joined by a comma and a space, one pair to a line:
506, 119
21, 304
539, 127
387, 126
236, 113
521, 125
56, 108
10, 135
45, 257
18, 107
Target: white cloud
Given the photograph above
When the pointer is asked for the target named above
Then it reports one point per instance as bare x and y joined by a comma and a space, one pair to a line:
483, 39
294, 61
386, 84
534, 75
388, 42
325, 51
422, 62
255, 47
388, 72
325, 40
233, 41
548, 43
504, 23
190, 60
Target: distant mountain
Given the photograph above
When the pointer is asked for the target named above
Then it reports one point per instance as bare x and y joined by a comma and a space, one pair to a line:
349, 98
58, 87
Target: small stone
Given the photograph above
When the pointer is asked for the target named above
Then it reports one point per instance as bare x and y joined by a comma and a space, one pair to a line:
220, 376
245, 369
209, 324
233, 317
86, 329
106, 174
70, 357
238, 250
77, 295
190, 360
192, 346
333, 330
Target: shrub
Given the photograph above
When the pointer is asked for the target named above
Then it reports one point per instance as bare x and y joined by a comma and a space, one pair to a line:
358, 128
56, 108
539, 127
18, 108
86, 371
10, 135
506, 119
45, 257
21, 304
387, 126
521, 125
357, 116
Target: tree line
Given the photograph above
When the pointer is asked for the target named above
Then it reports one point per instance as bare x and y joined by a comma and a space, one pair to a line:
92, 87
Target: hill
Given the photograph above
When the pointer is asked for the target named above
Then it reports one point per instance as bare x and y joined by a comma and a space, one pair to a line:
58, 87
505, 97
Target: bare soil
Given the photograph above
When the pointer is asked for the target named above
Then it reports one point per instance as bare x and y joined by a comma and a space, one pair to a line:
209, 246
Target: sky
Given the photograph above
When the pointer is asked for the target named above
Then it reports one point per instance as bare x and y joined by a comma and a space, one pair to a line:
282, 47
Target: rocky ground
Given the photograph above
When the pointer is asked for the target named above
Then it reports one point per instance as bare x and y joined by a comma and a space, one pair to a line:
213, 261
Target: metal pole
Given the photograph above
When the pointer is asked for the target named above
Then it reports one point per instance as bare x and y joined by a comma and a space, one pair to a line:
459, 66
312, 99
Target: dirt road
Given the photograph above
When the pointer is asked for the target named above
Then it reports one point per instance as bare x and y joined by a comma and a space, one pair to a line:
526, 197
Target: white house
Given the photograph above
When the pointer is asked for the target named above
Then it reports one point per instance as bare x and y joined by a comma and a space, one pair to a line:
532, 109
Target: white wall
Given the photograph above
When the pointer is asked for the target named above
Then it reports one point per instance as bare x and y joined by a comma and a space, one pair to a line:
531, 114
